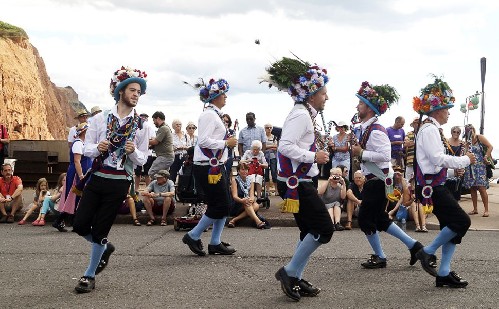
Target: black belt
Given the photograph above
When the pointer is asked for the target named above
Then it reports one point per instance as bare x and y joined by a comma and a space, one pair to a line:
371, 176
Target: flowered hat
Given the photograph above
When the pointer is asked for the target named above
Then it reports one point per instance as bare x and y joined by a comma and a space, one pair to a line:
80, 128
433, 97
299, 78
212, 90
125, 76
378, 98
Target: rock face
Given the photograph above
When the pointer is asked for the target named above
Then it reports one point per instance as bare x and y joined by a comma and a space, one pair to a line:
28, 97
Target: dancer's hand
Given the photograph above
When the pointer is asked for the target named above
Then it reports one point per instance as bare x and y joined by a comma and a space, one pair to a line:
472, 157
231, 142
321, 157
103, 146
129, 147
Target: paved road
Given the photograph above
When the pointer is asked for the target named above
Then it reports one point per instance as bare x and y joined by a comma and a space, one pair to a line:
151, 268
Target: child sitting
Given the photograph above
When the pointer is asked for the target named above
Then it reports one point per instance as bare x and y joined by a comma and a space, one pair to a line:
50, 201
41, 185
255, 159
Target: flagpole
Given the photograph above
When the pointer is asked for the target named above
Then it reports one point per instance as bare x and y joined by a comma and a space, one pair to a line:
483, 65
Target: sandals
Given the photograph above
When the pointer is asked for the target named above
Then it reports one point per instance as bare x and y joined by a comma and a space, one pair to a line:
151, 222
348, 226
262, 225
485, 214
473, 212
136, 222
231, 224
424, 229
163, 222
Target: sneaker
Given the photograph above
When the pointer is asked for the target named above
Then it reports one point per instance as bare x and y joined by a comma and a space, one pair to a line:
104, 260
60, 227
196, 246
374, 262
21, 222
339, 227
85, 285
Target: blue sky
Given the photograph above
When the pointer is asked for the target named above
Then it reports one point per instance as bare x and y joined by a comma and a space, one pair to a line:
381, 41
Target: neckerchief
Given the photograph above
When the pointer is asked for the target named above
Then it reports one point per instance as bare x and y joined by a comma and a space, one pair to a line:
244, 185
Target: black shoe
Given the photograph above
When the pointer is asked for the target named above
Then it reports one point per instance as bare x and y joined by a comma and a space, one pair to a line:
59, 226
222, 249
338, 227
289, 285
196, 246
452, 280
428, 262
85, 285
307, 289
104, 260
374, 262
417, 246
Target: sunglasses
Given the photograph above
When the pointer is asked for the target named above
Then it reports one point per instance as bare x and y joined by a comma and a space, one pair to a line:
191, 128
458, 132
268, 127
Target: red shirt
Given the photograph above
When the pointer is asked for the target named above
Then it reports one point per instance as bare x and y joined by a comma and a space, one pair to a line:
9, 188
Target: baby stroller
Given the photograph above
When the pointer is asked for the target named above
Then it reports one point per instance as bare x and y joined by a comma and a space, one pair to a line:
187, 191
256, 169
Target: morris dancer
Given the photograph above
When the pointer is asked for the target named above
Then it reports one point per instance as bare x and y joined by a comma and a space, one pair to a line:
116, 142
209, 171
297, 164
374, 152
431, 172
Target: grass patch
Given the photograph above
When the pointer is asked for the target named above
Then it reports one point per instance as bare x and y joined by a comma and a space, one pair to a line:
10, 31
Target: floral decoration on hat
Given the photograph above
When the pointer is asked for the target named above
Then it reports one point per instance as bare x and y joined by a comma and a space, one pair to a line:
125, 76
299, 78
433, 97
212, 90
378, 98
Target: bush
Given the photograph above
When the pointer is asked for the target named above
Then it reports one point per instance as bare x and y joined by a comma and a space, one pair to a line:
10, 31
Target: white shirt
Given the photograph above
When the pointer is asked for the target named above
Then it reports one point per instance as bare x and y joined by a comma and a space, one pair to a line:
378, 148
430, 151
78, 147
97, 133
71, 135
211, 134
297, 137
150, 133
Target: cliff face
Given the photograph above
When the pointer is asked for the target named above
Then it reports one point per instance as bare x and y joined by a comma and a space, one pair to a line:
28, 97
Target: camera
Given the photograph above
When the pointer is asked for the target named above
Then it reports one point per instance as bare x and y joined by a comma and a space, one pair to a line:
276, 131
336, 177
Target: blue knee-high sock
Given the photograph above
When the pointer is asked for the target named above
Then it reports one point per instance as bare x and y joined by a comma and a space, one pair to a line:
397, 232
301, 267
447, 252
375, 243
216, 234
88, 237
95, 256
202, 225
303, 252
445, 235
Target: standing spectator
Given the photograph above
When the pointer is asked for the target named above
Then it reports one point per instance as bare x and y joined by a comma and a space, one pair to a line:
409, 141
298, 157
249, 134
271, 157
354, 197
115, 141
396, 134
93, 111
232, 132
4, 142
159, 197
191, 137
180, 145
162, 145
209, 171
374, 152
456, 147
11, 189
332, 193
339, 146
82, 116
78, 167
143, 171
475, 176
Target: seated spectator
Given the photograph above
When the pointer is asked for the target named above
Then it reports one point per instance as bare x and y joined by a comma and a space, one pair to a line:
255, 159
11, 188
354, 197
41, 185
344, 174
243, 193
128, 207
333, 192
51, 200
400, 184
159, 197
417, 213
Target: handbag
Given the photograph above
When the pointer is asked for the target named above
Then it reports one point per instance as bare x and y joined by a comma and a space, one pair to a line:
491, 165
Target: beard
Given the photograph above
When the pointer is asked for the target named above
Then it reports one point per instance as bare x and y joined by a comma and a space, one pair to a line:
129, 102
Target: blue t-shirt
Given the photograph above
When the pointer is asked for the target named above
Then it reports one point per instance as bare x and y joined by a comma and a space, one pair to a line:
396, 135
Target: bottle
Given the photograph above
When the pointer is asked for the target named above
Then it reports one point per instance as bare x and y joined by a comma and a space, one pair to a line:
403, 224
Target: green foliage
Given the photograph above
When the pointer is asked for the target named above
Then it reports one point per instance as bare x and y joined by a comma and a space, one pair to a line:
389, 93
10, 31
284, 71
